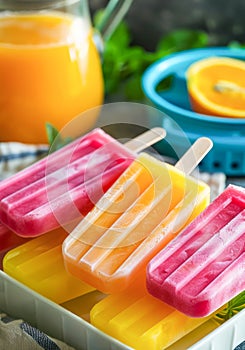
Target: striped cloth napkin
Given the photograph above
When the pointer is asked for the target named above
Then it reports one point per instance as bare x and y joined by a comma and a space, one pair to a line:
18, 334
15, 156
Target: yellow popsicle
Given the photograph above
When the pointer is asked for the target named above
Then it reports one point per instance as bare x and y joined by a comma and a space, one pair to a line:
39, 265
141, 321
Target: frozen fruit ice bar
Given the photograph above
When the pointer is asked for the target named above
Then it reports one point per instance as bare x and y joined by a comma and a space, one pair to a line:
204, 266
39, 265
144, 209
141, 321
8, 240
63, 186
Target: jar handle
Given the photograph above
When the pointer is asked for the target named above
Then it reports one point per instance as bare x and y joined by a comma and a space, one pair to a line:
112, 16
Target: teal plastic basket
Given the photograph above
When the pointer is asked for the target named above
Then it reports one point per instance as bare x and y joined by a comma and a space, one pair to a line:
181, 123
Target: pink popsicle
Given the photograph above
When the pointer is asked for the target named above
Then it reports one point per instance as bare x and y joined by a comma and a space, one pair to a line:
204, 266
63, 186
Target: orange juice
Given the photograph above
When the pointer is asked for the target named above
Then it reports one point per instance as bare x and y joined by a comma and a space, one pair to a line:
50, 71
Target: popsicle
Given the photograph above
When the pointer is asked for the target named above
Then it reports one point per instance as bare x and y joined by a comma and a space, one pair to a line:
204, 266
39, 265
8, 240
141, 321
63, 186
144, 209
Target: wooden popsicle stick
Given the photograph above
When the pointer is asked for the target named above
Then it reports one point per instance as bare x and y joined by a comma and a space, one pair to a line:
193, 156
146, 139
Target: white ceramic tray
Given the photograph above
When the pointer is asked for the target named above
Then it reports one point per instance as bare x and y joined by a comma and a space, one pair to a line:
21, 302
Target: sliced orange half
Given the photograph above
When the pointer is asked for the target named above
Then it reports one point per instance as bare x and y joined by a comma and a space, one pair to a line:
216, 86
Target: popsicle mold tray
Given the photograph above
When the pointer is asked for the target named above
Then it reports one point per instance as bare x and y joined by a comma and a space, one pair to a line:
19, 301
182, 124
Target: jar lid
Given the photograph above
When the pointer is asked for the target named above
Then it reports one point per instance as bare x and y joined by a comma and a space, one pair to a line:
34, 4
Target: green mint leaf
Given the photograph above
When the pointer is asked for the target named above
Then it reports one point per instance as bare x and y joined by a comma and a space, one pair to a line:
54, 138
133, 90
234, 306
121, 37
51, 132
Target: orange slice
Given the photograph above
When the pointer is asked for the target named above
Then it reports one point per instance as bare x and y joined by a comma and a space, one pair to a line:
216, 86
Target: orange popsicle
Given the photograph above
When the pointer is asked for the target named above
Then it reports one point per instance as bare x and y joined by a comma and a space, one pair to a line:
146, 207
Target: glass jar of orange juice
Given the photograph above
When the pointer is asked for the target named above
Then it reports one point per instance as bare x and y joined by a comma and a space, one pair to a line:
50, 69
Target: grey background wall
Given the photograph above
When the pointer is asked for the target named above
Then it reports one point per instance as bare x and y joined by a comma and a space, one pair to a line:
223, 20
